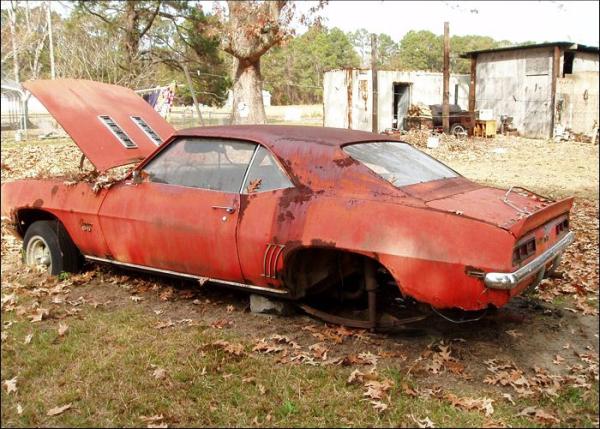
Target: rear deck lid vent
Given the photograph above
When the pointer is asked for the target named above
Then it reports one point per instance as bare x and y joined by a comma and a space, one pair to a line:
117, 132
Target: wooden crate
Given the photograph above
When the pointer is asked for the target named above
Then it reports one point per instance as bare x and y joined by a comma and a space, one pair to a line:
485, 128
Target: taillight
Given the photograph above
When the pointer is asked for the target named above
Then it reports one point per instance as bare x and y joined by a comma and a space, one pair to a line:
523, 251
562, 227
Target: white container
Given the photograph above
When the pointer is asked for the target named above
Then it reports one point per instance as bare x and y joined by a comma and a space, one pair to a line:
433, 142
486, 114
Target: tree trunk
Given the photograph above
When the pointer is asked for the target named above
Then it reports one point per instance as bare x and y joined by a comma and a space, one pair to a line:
248, 107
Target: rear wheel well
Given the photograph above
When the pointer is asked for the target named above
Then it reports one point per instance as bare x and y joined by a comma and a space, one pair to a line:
316, 270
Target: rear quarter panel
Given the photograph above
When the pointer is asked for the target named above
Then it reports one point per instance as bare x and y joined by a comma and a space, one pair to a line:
427, 251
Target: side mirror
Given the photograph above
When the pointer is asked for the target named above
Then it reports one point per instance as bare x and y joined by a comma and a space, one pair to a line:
136, 177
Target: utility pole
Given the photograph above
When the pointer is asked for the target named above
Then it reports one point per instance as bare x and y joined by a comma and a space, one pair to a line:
49, 18
375, 127
446, 89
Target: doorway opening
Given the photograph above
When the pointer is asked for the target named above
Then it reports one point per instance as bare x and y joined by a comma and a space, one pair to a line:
401, 104
568, 63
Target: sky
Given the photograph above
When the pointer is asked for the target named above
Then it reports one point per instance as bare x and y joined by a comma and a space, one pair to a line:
517, 21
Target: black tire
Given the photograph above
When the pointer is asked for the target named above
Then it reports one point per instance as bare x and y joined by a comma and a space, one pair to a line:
52, 240
457, 130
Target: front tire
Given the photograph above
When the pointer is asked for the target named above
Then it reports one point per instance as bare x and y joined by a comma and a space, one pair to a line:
47, 245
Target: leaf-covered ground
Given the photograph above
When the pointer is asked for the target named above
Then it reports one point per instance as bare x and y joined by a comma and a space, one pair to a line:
109, 347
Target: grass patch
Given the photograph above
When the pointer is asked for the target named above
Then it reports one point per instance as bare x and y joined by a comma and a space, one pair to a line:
105, 367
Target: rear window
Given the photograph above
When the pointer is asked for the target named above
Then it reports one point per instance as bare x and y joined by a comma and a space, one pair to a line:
399, 163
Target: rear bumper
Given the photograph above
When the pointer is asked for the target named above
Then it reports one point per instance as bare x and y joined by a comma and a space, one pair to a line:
536, 267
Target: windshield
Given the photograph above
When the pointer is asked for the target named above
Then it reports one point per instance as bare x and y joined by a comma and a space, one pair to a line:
399, 163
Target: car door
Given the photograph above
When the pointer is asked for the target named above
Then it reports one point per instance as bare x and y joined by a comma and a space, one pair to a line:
265, 223
183, 214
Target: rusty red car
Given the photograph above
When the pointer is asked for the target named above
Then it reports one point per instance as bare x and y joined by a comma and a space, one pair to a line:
286, 211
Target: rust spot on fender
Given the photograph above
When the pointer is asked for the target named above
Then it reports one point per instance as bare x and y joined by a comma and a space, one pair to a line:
54, 190
322, 243
38, 203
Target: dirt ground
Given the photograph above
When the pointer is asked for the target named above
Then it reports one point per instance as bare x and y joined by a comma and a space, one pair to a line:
527, 352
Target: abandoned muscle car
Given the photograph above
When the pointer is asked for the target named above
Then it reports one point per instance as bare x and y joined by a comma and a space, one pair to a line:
286, 211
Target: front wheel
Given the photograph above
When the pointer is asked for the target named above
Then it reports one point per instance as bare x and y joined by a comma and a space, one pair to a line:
47, 245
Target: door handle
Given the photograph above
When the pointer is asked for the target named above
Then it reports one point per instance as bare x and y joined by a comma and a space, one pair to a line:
227, 209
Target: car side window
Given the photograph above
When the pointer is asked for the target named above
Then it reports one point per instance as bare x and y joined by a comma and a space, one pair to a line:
265, 174
206, 163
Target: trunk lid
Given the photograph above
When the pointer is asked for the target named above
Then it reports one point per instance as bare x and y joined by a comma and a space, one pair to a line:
112, 125
517, 211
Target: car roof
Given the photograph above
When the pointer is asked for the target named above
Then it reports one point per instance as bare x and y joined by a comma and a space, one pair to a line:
278, 135
312, 155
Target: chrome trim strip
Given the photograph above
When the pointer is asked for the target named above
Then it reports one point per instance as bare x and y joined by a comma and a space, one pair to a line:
189, 276
511, 280
248, 169
264, 273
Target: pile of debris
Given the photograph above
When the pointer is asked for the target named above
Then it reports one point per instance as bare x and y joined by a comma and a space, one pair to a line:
419, 117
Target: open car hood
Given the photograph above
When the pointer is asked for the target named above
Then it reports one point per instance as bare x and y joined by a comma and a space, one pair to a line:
112, 125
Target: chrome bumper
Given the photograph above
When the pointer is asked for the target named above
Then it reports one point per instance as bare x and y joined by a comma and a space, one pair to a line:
535, 267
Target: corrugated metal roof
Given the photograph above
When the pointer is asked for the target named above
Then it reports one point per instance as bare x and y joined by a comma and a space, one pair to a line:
565, 45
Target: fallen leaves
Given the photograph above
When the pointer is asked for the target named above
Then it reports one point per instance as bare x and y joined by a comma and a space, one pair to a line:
59, 410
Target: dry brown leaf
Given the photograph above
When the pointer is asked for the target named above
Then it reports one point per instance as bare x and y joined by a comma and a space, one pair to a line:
58, 410
221, 323
423, 423
159, 373
284, 340
264, 347
319, 351
514, 333
39, 314
379, 406
11, 385
154, 418
253, 186
62, 329
480, 404
539, 415
235, 349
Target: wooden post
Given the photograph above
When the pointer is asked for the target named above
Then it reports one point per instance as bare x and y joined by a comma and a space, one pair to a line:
375, 127
191, 87
555, 74
472, 84
446, 93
